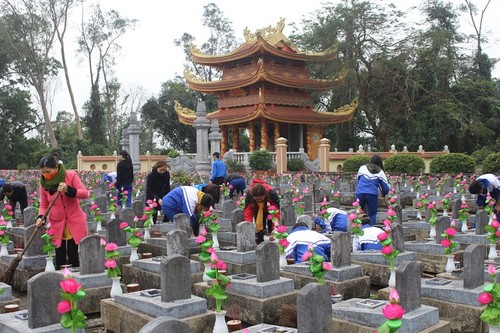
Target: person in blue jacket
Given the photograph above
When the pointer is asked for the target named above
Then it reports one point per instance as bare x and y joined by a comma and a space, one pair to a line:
484, 184
301, 237
371, 181
188, 200
337, 221
369, 240
218, 170
236, 183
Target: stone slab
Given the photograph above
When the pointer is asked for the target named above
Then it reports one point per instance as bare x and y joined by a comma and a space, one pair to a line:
344, 326
92, 280
336, 274
147, 280
153, 266
21, 275
252, 288
452, 292
263, 327
471, 238
27, 262
415, 321
154, 307
9, 323
426, 247
376, 257
235, 257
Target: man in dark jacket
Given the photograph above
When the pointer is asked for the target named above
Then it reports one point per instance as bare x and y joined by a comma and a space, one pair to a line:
16, 192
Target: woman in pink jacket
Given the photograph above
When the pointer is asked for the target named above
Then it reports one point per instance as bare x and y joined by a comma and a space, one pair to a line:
66, 218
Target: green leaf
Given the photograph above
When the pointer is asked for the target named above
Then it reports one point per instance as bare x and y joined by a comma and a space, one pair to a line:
211, 273
66, 320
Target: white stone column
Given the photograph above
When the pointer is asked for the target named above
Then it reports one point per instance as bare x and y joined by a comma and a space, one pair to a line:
134, 130
202, 124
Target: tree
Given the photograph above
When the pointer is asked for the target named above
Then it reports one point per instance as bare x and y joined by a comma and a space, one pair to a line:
28, 35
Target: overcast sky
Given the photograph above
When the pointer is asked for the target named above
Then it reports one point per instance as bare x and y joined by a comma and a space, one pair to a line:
148, 56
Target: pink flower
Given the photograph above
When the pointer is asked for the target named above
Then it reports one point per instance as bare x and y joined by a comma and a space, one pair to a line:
382, 236
221, 265
390, 212
322, 212
123, 225
352, 216
200, 239
66, 272
497, 233
295, 200
203, 231
485, 298
110, 263
269, 217
281, 229
393, 200
64, 306
387, 250
337, 194
138, 234
8, 207
445, 242
491, 269
147, 208
102, 242
94, 207
70, 285
431, 205
272, 207
355, 203
495, 224
213, 257
111, 247
393, 311
419, 204
327, 266
393, 296
284, 242
387, 223
450, 231
306, 256
207, 214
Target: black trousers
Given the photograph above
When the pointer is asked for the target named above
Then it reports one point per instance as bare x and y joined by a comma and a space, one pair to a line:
67, 254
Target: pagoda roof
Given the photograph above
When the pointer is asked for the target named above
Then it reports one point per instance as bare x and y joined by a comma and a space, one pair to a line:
269, 40
279, 113
261, 75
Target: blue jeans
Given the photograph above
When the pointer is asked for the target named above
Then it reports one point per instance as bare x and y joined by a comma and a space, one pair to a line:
119, 191
369, 204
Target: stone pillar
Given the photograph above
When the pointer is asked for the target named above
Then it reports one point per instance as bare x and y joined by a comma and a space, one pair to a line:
202, 124
236, 137
324, 155
79, 162
251, 139
124, 143
224, 143
281, 156
215, 137
264, 141
276, 131
149, 165
134, 130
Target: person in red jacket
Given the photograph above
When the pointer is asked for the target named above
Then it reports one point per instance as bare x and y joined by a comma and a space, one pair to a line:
260, 196
67, 219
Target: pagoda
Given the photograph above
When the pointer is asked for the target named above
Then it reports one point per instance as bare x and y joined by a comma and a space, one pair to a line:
265, 88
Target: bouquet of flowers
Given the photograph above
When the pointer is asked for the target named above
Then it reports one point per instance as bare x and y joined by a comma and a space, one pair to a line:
336, 196
384, 238
391, 198
112, 269
134, 238
4, 238
205, 245
71, 292
49, 246
318, 266
355, 220
112, 206
418, 185
279, 232
322, 209
124, 198
299, 205
431, 207
439, 185
34, 201
136, 190
96, 212
149, 211
273, 214
7, 212
491, 298
220, 281
391, 215
456, 181
224, 189
446, 201
447, 242
393, 312
489, 203
422, 201
210, 219
463, 213
492, 229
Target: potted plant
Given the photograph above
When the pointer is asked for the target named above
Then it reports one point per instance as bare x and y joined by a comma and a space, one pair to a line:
260, 160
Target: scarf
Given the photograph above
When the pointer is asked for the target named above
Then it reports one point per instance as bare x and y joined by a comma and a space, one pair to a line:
51, 185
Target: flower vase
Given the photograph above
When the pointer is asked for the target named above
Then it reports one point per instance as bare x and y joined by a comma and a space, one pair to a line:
147, 234
98, 226
464, 226
454, 190
450, 264
9, 224
205, 277
462, 198
283, 260
116, 288
418, 195
3, 250
133, 254
392, 278
493, 329
492, 253
411, 189
112, 216
438, 193
355, 243
432, 233
215, 245
419, 215
49, 265
220, 322
445, 212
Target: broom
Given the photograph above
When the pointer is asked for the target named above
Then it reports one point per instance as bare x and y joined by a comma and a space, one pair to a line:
8, 276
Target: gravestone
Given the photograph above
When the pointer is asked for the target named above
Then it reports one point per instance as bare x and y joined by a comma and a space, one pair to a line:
177, 242
288, 216
227, 208
314, 309
128, 215
268, 262
482, 220
341, 249
398, 240
165, 324
175, 278
36, 247
455, 208
114, 234
306, 219
238, 216
408, 284
42, 298
287, 198
86, 209
102, 203
138, 208
30, 214
91, 255
474, 266
245, 237
308, 202
181, 222
442, 223
399, 213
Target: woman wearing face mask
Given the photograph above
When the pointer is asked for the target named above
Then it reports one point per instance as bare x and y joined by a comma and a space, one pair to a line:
66, 219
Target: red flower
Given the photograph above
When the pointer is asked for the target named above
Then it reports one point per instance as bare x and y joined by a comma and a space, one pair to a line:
485, 298
387, 250
382, 236
123, 225
64, 306
450, 231
445, 242
70, 286
110, 263
393, 311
